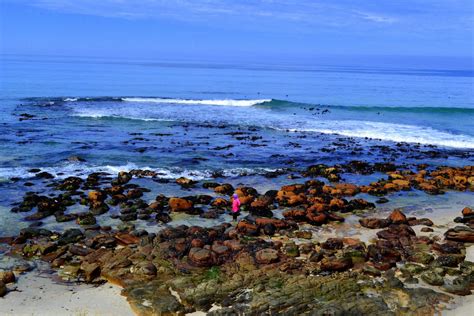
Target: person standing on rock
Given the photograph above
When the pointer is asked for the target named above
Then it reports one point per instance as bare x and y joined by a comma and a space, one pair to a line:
235, 207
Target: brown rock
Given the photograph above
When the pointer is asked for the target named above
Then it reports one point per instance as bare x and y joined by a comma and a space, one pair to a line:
336, 264
126, 239
234, 245
225, 189
427, 230
297, 215
185, 182
180, 205
220, 249
200, 257
7, 277
347, 188
397, 217
220, 203
317, 219
467, 211
97, 197
374, 223
460, 233
266, 256
90, 270
247, 228
3, 289
279, 224
420, 221
333, 243
402, 184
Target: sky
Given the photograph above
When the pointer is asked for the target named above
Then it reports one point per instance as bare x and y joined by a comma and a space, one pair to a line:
216, 29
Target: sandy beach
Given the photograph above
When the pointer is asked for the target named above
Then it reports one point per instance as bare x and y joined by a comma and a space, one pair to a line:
35, 293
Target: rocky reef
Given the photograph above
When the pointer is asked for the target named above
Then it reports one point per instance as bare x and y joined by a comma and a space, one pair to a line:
264, 263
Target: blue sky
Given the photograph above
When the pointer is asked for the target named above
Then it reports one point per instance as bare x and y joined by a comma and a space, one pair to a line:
247, 28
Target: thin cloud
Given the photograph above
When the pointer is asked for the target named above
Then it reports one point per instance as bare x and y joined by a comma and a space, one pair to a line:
376, 17
330, 14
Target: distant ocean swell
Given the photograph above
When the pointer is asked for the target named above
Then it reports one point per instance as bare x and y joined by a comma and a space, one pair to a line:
257, 112
267, 102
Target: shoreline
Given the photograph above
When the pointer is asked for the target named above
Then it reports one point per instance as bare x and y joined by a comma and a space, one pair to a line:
313, 233
37, 293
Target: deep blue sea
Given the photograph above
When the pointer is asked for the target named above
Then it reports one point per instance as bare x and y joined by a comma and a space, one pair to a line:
73, 116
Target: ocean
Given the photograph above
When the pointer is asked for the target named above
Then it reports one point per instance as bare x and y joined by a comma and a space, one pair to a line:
73, 116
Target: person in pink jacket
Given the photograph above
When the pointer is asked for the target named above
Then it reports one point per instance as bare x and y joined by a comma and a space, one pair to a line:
235, 207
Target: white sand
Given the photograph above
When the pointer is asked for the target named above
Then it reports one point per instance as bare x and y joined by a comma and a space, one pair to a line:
38, 294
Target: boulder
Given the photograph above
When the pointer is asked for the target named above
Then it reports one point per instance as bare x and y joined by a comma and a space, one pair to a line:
185, 182
467, 211
460, 233
432, 278
247, 228
180, 205
126, 239
200, 257
3, 289
336, 264
7, 277
70, 236
266, 256
86, 219
397, 217
225, 189
123, 177
220, 203
374, 223
91, 271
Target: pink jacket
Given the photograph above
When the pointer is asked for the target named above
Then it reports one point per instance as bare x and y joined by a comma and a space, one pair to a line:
235, 205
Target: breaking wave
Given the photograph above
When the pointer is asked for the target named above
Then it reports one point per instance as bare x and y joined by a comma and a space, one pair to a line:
223, 102
81, 170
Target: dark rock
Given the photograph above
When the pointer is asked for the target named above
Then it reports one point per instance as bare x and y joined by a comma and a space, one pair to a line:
374, 223
70, 236
86, 219
333, 243
460, 233
336, 264
432, 278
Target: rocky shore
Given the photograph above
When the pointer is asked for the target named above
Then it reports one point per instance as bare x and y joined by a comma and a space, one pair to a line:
272, 261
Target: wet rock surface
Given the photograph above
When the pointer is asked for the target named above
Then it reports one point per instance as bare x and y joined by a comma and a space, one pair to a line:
262, 264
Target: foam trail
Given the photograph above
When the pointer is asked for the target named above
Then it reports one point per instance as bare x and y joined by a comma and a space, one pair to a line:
392, 132
80, 170
223, 102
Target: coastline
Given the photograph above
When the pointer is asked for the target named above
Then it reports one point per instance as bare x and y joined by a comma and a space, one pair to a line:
278, 244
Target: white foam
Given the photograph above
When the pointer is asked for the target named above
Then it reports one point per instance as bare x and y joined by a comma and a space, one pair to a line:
70, 99
98, 115
223, 102
82, 171
392, 132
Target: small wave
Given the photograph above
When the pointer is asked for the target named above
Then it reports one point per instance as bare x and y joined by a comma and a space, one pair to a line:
391, 132
405, 109
96, 115
223, 102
